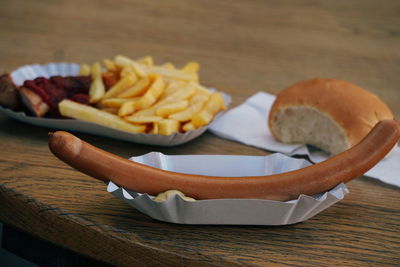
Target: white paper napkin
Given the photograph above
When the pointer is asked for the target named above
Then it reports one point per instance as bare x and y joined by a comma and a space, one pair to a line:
247, 124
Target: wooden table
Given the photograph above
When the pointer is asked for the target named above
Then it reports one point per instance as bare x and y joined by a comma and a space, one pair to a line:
243, 47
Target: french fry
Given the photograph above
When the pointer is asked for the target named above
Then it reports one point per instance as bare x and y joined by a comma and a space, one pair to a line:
127, 70
123, 84
112, 102
121, 61
82, 112
196, 103
189, 126
191, 67
138, 89
84, 70
212, 107
96, 70
143, 119
141, 69
171, 87
181, 94
97, 88
168, 65
173, 73
201, 89
151, 111
152, 94
187, 114
171, 108
110, 65
127, 108
168, 127
148, 61
110, 110
199, 97
154, 128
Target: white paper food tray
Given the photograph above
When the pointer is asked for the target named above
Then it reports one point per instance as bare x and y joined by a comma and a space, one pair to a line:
228, 211
33, 71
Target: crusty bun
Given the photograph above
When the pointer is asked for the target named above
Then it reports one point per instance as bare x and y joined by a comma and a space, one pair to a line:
330, 114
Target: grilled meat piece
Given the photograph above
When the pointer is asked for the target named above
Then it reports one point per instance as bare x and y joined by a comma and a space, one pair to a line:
41, 96
9, 96
33, 102
52, 91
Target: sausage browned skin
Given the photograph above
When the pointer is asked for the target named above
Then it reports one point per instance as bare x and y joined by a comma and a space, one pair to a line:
285, 186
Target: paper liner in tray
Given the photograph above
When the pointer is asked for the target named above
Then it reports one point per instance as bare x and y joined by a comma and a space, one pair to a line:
228, 211
71, 69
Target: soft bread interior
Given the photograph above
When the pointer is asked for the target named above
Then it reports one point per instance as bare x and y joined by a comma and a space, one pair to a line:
306, 125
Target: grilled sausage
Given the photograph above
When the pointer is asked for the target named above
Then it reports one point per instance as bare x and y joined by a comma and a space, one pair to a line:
285, 186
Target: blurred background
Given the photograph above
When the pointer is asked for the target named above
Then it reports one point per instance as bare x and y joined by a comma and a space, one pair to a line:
251, 45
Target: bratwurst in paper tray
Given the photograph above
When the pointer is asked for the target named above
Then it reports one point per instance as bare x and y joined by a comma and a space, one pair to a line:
284, 186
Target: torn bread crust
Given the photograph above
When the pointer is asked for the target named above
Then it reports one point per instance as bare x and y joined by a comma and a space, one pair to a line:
353, 110
307, 125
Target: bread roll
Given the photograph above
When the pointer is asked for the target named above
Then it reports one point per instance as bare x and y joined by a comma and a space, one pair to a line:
330, 114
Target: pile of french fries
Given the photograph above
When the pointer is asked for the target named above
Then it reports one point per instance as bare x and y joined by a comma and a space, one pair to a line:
140, 97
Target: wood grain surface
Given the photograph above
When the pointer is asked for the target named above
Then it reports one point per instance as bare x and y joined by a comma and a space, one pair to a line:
243, 47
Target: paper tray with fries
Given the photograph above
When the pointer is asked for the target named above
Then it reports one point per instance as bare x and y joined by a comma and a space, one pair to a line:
115, 126
176, 209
